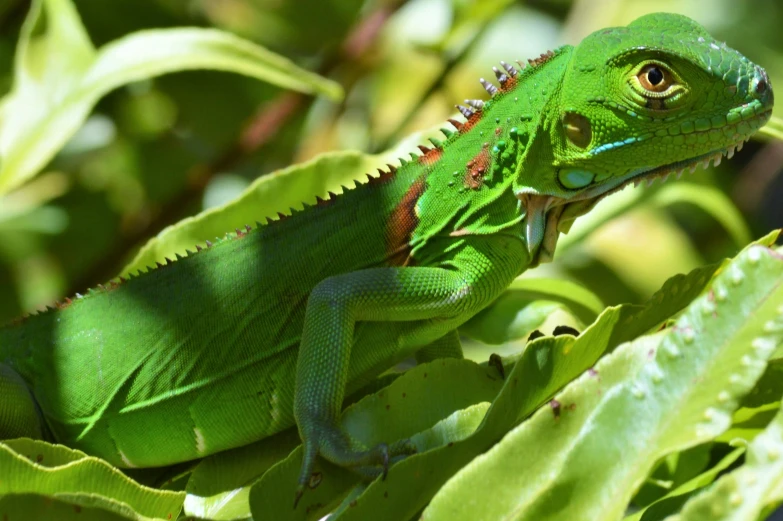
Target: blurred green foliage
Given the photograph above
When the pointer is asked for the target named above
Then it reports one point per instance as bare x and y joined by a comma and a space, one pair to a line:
156, 151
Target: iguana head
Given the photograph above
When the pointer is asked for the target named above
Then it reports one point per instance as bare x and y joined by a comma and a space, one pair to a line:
639, 103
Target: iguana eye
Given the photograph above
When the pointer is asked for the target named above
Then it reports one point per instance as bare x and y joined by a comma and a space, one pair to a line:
654, 78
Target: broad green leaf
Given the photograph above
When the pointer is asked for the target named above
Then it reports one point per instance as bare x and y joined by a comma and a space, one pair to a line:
433, 403
456, 427
671, 472
759, 406
419, 399
36, 472
653, 396
545, 366
677, 497
268, 195
769, 388
747, 423
742, 494
59, 76
38, 507
524, 306
272, 497
219, 486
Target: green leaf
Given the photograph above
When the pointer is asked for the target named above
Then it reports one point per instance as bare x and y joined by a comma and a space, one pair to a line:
272, 497
268, 195
747, 423
456, 427
433, 404
219, 487
677, 497
524, 306
545, 366
655, 395
34, 506
419, 399
742, 494
36, 472
672, 471
769, 388
59, 76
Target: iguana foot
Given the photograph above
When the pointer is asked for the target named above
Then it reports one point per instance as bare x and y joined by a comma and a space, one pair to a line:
333, 444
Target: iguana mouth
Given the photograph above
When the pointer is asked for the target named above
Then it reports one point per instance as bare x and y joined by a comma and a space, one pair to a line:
553, 215
663, 172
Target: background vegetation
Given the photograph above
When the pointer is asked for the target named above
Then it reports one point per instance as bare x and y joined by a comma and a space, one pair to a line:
158, 150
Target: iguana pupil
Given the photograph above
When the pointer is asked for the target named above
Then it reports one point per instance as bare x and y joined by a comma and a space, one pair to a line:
654, 76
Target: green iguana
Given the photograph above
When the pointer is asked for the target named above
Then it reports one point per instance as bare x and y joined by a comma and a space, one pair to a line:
273, 327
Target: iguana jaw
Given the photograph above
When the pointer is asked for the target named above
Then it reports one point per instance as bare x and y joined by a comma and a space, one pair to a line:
549, 215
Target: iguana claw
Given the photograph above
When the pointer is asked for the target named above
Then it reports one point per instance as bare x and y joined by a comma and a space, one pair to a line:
369, 464
299, 493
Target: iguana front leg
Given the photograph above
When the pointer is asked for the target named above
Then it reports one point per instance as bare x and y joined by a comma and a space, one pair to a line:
435, 299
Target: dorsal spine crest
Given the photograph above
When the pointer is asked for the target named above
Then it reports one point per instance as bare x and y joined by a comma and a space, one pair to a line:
474, 179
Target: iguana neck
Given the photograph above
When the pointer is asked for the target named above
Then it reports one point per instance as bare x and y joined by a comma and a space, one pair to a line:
504, 139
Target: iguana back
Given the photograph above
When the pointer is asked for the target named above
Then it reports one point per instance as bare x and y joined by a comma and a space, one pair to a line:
204, 344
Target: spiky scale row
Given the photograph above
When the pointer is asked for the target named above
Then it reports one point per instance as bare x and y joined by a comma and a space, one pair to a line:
506, 80
491, 89
512, 72
501, 76
476, 105
465, 111
240, 233
543, 58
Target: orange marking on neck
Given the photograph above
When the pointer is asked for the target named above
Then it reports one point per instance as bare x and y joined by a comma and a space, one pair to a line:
470, 123
509, 84
402, 223
431, 157
477, 169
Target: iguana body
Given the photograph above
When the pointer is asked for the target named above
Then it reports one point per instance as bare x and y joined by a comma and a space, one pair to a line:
236, 342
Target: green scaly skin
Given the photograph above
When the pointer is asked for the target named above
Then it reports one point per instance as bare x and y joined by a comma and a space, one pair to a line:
272, 328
